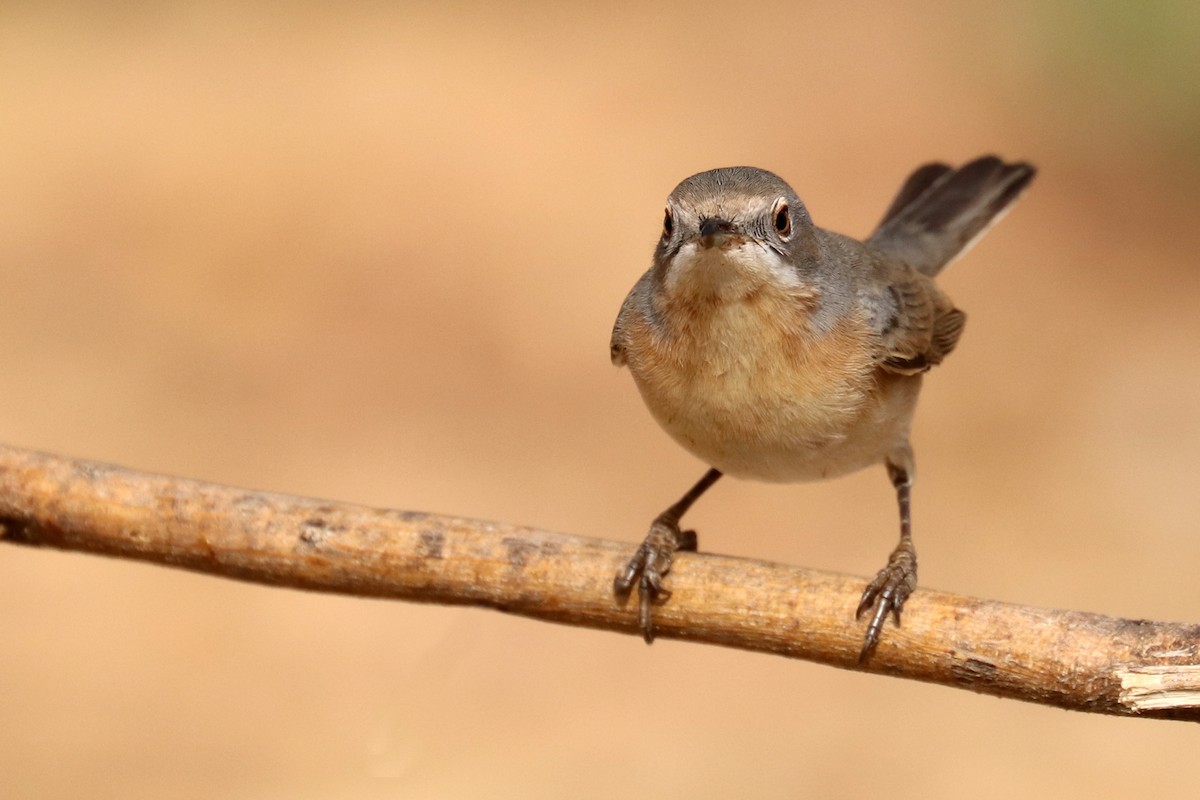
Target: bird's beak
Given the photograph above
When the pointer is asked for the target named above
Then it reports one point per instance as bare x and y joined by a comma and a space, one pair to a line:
715, 232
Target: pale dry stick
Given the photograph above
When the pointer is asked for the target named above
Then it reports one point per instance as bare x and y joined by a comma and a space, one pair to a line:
1068, 659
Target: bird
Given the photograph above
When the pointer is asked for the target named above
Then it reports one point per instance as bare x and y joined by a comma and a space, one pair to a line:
776, 350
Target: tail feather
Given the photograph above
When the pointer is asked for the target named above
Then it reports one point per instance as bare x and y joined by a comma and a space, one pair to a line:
940, 212
914, 187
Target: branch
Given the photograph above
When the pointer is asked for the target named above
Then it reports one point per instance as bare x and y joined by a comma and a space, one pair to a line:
1067, 659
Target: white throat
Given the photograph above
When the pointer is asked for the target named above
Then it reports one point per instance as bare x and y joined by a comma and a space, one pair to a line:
727, 272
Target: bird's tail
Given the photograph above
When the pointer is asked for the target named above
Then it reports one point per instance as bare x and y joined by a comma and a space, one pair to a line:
941, 211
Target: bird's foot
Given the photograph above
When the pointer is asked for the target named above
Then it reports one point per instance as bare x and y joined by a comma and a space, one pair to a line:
887, 593
649, 566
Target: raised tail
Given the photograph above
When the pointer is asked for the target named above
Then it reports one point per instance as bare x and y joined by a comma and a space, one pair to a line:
941, 211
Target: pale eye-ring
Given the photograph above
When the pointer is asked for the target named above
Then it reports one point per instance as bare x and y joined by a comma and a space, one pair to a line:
781, 218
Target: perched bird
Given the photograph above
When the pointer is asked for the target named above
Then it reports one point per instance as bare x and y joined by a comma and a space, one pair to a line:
776, 350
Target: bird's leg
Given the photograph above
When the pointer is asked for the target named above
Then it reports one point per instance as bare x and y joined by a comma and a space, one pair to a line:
895, 582
653, 559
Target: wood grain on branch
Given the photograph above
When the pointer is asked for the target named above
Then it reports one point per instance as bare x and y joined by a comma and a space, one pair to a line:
1069, 659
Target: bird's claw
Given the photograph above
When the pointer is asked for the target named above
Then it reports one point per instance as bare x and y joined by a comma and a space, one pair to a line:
886, 593
649, 566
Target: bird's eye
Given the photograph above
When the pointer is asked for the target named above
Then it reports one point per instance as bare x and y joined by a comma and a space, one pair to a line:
782, 220
668, 223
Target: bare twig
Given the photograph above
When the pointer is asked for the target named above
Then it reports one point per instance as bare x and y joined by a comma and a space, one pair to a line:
1067, 659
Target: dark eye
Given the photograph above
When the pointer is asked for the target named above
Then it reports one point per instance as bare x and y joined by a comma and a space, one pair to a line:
668, 223
782, 220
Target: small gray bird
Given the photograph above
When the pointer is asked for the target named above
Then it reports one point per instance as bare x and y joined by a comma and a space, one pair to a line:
776, 350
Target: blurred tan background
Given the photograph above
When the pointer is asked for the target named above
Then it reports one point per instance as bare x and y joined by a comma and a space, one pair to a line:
373, 253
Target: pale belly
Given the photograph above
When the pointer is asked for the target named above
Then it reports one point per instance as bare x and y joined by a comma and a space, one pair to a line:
754, 403
763, 436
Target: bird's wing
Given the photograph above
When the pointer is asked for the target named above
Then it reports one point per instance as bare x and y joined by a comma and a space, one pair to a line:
922, 326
